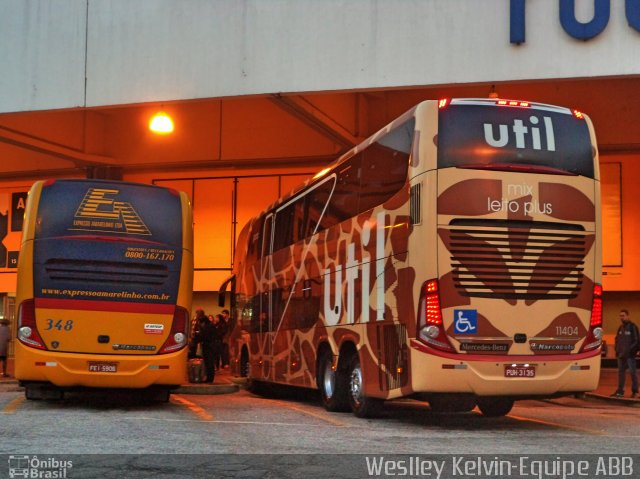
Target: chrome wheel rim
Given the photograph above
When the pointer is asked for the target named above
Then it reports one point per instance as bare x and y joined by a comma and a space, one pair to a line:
356, 384
328, 380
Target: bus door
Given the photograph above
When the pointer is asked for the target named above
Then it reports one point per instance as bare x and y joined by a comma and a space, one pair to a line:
265, 308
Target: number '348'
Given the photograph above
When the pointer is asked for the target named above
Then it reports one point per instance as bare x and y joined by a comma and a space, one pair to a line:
59, 324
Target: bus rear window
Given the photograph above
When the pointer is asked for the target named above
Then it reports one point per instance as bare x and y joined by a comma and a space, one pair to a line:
515, 139
109, 209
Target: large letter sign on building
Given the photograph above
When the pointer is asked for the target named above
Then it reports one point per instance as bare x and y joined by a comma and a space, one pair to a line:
574, 28
584, 31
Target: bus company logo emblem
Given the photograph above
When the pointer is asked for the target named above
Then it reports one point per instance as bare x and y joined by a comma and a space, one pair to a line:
550, 347
465, 321
484, 347
100, 211
19, 466
33, 466
133, 347
153, 328
521, 133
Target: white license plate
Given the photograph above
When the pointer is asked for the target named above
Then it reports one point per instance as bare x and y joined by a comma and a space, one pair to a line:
103, 367
519, 371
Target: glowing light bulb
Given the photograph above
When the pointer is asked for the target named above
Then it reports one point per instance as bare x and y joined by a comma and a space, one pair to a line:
161, 123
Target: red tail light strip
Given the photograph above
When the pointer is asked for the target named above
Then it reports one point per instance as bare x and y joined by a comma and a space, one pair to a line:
178, 325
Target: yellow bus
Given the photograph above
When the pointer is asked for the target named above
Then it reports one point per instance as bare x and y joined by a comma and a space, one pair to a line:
454, 256
105, 277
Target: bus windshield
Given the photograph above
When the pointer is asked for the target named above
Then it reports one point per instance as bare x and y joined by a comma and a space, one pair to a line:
105, 240
128, 211
533, 138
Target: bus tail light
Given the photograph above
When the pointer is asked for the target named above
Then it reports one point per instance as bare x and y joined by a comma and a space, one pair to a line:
518, 103
430, 325
178, 335
27, 329
594, 336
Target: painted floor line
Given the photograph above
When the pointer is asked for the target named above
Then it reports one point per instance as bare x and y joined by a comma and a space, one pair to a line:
302, 410
240, 423
193, 407
13, 405
558, 425
330, 420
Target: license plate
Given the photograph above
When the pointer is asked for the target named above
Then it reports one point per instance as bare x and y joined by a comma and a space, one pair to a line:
103, 367
519, 371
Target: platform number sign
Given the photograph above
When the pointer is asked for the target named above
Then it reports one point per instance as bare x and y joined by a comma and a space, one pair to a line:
12, 209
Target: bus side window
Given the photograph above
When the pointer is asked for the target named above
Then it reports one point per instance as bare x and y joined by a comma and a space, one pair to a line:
266, 237
317, 216
253, 247
385, 165
283, 233
344, 201
384, 173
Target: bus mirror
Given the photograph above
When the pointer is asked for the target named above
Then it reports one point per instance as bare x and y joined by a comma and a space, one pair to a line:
222, 292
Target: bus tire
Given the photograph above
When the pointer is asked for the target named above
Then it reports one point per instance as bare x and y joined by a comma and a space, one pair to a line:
38, 392
361, 405
156, 394
451, 403
333, 384
31, 394
495, 406
260, 388
245, 365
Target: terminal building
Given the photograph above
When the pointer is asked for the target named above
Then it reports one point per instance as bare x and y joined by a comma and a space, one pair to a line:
263, 94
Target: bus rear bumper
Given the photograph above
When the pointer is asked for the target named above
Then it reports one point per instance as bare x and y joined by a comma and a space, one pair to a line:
541, 376
104, 371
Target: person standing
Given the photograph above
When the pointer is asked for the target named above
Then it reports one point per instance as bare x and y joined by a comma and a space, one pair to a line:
5, 337
220, 330
225, 341
205, 336
627, 342
195, 328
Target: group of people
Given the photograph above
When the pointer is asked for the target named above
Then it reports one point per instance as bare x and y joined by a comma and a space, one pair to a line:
209, 339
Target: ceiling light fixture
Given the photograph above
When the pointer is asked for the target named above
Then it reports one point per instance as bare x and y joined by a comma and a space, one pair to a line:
161, 123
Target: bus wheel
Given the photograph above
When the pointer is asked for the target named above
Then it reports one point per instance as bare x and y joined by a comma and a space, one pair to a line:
31, 393
245, 365
451, 403
260, 388
37, 392
156, 394
361, 405
495, 406
332, 384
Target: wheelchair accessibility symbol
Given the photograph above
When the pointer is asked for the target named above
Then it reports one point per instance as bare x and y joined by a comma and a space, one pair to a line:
465, 321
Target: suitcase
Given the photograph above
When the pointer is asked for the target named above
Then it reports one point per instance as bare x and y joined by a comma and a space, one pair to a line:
196, 371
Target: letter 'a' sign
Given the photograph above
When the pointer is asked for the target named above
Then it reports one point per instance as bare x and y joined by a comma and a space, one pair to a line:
18, 206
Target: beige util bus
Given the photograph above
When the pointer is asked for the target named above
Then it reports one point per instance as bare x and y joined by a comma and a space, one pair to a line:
454, 256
